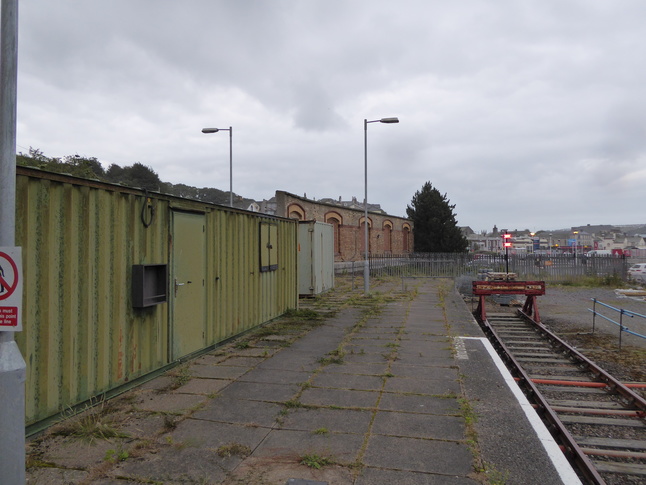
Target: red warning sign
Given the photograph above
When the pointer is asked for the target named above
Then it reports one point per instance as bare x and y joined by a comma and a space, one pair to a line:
8, 278
10, 289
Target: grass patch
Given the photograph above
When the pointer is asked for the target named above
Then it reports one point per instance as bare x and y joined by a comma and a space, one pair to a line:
181, 375
233, 449
321, 431
592, 281
113, 456
93, 424
316, 461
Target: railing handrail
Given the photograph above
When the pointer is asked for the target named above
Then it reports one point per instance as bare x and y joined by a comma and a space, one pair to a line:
621, 311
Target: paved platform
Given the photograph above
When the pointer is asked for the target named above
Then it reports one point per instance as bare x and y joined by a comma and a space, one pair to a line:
367, 398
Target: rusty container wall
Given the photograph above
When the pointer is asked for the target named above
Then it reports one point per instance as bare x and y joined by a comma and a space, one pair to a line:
240, 295
81, 335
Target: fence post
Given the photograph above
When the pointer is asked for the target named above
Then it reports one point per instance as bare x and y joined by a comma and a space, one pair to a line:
621, 325
594, 313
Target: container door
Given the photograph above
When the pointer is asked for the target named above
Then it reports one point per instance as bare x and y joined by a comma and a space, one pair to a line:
188, 291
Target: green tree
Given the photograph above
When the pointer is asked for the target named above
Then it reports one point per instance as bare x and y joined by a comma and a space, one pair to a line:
435, 226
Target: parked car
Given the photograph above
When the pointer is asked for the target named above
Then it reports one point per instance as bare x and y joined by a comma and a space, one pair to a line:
637, 272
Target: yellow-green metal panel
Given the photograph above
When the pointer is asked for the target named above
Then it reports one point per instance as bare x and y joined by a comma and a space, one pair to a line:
81, 336
80, 240
240, 295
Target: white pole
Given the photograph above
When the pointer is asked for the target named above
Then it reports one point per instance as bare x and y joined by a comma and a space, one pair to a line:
12, 365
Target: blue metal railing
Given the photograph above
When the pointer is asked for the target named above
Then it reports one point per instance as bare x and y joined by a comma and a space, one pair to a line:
620, 323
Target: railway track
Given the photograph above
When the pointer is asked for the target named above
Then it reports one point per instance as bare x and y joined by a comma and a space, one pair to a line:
599, 422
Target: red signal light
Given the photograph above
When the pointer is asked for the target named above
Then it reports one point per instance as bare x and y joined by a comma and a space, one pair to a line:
506, 241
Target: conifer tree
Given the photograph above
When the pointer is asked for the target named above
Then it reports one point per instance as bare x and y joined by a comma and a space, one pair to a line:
435, 226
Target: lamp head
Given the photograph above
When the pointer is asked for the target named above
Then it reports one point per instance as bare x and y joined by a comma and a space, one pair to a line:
389, 120
210, 130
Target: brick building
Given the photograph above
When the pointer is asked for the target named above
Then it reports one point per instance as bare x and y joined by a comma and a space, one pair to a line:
387, 234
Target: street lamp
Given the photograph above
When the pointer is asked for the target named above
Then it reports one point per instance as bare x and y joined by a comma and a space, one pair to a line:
576, 243
366, 269
230, 130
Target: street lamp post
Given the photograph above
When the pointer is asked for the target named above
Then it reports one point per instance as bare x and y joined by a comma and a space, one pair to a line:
366, 268
230, 130
576, 243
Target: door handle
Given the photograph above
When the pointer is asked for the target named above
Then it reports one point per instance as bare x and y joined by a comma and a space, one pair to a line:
177, 285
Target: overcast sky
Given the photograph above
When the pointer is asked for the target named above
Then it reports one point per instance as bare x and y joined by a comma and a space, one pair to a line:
527, 114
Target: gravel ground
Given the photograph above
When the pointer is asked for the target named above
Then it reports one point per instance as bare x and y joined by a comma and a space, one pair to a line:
566, 309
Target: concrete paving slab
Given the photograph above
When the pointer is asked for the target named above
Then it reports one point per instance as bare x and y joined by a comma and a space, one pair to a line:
170, 403
278, 376
142, 425
255, 352
258, 391
276, 471
156, 384
243, 361
57, 476
356, 369
363, 346
340, 448
176, 464
412, 403
332, 420
203, 386
349, 381
318, 346
366, 358
218, 371
339, 397
429, 359
70, 452
431, 456
418, 425
227, 410
294, 360
378, 476
210, 359
199, 433
422, 386
446, 371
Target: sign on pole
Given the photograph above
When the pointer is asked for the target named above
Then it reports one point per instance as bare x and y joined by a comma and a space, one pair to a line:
10, 289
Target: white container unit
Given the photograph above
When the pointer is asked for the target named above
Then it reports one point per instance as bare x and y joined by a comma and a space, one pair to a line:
315, 257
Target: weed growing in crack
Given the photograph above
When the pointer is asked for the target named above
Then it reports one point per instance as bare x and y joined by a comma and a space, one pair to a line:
315, 461
233, 449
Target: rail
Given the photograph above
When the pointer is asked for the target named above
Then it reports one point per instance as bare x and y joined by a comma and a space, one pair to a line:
620, 323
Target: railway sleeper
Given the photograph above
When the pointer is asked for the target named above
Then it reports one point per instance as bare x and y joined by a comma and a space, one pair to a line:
621, 468
594, 420
611, 443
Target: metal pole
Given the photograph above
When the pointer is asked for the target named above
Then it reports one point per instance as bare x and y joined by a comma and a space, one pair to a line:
12, 365
366, 269
230, 166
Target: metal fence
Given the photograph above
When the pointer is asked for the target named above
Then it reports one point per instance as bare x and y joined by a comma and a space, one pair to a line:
621, 311
549, 268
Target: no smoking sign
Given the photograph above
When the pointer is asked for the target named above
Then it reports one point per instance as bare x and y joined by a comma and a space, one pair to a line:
10, 289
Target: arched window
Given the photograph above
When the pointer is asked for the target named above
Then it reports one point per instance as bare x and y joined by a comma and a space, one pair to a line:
336, 220
362, 236
295, 211
406, 238
388, 241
